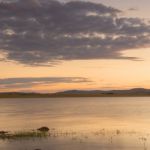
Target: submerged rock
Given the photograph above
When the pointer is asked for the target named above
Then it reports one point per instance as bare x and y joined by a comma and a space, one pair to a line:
43, 129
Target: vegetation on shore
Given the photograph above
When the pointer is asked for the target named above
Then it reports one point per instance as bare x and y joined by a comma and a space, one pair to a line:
39, 133
43, 132
23, 134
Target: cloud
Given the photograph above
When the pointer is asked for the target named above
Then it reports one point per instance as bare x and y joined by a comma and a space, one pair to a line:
38, 32
133, 9
29, 82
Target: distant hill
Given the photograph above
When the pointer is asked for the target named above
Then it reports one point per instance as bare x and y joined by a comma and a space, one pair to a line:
80, 93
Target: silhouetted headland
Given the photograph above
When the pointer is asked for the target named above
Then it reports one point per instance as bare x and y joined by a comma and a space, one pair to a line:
80, 93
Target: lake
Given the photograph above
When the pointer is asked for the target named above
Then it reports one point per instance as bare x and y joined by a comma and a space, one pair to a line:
119, 123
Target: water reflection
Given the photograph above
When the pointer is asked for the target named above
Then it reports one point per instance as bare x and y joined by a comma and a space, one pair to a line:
100, 139
99, 123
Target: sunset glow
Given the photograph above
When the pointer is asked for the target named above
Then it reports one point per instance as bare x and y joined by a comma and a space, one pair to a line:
111, 52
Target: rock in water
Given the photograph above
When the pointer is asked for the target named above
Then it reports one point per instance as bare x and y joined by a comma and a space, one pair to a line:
43, 129
3, 132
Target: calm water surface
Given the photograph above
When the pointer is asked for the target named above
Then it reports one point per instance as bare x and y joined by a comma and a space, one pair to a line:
95, 121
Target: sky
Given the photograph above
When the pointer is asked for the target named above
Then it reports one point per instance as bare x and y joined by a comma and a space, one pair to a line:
58, 45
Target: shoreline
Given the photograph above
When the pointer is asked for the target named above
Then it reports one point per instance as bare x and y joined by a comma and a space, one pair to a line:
74, 96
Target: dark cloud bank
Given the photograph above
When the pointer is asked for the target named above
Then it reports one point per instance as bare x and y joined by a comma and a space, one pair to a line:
36, 32
29, 82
